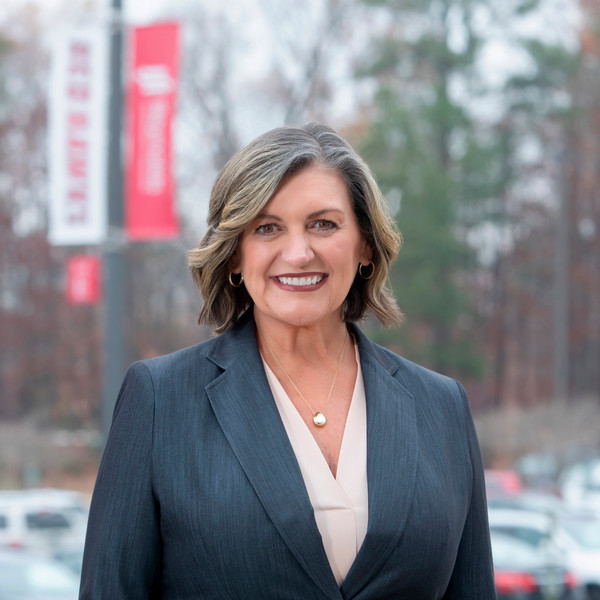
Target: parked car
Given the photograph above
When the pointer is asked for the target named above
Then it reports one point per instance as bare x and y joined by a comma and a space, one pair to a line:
539, 470
523, 573
579, 535
532, 500
580, 485
42, 519
502, 482
536, 528
29, 577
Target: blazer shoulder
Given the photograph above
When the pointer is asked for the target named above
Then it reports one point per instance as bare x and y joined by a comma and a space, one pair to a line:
177, 363
440, 401
416, 378
206, 360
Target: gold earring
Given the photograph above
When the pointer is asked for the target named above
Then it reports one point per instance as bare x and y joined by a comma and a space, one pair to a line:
360, 266
239, 283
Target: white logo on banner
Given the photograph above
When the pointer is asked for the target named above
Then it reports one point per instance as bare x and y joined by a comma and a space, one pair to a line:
154, 80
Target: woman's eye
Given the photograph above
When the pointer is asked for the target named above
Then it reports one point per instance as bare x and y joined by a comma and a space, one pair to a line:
266, 229
324, 225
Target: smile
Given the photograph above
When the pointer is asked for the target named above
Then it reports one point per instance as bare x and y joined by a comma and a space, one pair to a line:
300, 281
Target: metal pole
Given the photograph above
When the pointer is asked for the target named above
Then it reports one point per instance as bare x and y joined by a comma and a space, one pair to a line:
115, 340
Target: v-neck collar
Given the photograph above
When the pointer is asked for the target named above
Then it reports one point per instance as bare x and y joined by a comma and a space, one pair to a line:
340, 503
301, 436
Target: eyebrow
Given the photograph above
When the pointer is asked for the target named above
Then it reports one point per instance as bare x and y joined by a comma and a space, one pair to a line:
312, 215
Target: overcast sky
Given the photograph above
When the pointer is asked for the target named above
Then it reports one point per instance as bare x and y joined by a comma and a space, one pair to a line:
135, 10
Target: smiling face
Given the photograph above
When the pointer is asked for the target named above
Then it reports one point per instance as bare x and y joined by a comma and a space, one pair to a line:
299, 257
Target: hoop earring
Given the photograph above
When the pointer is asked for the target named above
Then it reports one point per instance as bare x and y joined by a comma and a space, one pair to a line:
239, 283
360, 266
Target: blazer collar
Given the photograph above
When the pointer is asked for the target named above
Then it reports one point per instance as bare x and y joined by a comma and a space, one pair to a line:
243, 404
392, 455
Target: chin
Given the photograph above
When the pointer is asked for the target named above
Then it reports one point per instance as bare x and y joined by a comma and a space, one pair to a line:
301, 316
298, 319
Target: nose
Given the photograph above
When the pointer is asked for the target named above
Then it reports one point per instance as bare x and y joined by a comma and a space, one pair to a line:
297, 250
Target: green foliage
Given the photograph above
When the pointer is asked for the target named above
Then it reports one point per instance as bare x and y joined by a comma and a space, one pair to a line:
398, 4
554, 67
383, 59
5, 49
422, 145
526, 7
402, 150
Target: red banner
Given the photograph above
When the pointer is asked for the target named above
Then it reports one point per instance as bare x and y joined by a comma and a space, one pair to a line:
152, 84
84, 279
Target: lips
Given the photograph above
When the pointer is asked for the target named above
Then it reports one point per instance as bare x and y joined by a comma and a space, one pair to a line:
300, 281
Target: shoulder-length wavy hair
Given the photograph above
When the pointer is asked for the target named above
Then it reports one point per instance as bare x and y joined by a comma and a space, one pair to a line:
246, 184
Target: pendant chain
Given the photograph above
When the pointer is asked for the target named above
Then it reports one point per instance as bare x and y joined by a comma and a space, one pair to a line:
319, 416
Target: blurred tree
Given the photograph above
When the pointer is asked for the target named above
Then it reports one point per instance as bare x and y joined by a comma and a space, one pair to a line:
477, 163
436, 169
305, 70
237, 82
582, 178
529, 327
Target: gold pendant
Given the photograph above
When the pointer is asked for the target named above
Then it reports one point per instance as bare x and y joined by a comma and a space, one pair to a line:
319, 419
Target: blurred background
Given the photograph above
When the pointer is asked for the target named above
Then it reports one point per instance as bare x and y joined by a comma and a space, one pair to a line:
481, 122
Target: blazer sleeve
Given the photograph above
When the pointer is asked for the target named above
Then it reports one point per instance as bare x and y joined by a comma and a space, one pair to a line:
473, 575
122, 553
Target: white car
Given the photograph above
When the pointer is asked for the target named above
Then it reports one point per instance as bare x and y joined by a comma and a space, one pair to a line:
580, 536
558, 538
536, 528
42, 520
580, 486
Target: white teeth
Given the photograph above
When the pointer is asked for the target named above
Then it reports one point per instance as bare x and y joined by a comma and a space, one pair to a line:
300, 281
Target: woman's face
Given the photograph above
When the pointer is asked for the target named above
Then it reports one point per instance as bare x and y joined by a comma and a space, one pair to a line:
299, 257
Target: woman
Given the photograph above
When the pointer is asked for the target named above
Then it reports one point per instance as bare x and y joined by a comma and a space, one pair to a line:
290, 457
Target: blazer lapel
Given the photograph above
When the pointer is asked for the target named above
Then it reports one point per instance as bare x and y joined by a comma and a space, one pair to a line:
243, 404
392, 454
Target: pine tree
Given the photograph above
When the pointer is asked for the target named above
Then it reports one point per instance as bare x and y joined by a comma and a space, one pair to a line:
433, 164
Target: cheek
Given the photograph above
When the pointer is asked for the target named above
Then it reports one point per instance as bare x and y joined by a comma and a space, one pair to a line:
254, 261
246, 255
358, 254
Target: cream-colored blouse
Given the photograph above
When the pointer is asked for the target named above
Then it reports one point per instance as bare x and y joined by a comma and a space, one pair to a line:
340, 503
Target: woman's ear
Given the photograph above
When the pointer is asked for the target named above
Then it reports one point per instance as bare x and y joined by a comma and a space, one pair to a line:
366, 255
234, 263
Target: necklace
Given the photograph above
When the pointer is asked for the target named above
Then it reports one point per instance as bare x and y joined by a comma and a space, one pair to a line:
318, 417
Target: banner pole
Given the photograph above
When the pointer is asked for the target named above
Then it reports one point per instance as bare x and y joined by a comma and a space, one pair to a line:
115, 279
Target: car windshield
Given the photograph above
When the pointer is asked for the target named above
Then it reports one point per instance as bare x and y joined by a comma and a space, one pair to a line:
510, 552
584, 532
47, 520
529, 535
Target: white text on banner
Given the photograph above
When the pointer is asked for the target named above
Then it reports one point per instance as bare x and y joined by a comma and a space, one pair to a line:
78, 134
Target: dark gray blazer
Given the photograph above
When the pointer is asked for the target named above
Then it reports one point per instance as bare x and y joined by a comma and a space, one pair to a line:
199, 495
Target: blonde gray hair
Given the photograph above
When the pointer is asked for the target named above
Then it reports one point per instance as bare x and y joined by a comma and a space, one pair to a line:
247, 183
